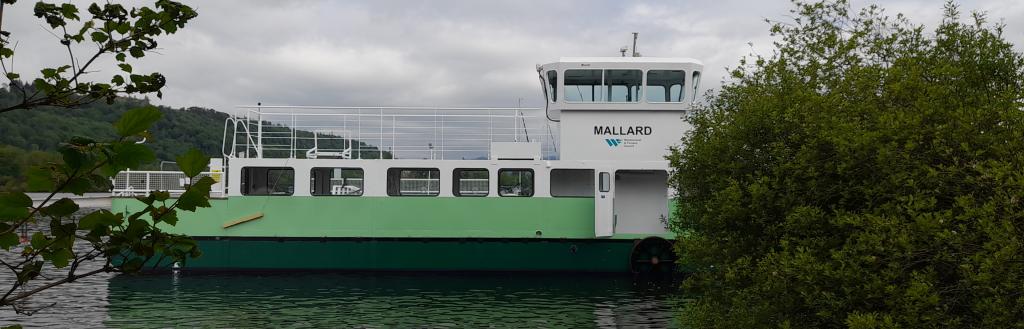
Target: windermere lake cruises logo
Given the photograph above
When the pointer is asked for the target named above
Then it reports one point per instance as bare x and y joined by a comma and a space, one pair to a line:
622, 131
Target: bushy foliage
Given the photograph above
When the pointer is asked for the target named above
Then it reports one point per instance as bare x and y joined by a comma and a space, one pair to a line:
866, 174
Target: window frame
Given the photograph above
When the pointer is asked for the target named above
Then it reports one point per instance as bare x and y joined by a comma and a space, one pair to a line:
552, 85
312, 179
245, 189
565, 81
640, 92
456, 191
533, 182
394, 181
551, 180
682, 88
604, 182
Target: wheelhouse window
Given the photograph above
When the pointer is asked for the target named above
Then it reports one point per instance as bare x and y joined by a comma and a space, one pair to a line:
665, 86
696, 83
584, 86
414, 182
606, 182
572, 183
623, 86
553, 85
336, 181
471, 182
515, 182
268, 181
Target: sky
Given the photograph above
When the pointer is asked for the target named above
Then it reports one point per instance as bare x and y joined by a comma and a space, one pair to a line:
434, 53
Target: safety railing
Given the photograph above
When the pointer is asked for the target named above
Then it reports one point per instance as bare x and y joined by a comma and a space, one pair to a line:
419, 186
381, 132
136, 183
473, 186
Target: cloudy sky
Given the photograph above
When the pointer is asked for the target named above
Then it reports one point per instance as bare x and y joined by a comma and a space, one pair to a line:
436, 53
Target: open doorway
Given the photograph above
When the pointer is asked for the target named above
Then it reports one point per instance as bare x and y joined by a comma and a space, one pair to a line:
641, 201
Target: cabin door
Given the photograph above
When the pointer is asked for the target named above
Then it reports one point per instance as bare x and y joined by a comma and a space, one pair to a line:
604, 212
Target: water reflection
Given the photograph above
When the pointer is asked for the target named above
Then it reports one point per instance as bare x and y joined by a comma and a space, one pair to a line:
385, 300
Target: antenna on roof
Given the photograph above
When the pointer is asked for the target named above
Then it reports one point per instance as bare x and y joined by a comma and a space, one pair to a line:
635, 54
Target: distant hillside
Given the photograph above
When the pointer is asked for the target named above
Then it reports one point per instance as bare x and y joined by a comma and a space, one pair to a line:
29, 137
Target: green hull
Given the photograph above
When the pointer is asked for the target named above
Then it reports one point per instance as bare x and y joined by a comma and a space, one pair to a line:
407, 233
413, 254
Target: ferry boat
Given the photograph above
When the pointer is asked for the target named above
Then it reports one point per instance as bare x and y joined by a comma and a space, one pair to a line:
578, 185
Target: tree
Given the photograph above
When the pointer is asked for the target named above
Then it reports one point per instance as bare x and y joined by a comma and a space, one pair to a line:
866, 174
114, 30
123, 242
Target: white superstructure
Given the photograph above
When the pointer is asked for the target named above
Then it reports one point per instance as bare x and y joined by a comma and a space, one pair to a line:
615, 119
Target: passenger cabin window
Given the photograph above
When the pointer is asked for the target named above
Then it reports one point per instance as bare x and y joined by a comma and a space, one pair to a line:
471, 182
583, 86
665, 86
623, 86
515, 182
553, 85
414, 182
268, 181
336, 181
572, 183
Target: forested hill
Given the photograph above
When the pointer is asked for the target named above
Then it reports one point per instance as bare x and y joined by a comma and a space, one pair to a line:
30, 137
177, 130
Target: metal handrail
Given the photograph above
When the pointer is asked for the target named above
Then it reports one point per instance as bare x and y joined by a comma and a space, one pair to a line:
402, 132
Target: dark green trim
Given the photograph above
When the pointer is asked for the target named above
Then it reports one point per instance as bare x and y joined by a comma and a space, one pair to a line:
412, 254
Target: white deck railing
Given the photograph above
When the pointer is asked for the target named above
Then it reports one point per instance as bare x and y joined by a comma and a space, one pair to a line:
136, 183
384, 132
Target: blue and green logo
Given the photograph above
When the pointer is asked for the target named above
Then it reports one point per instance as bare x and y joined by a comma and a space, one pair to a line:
613, 142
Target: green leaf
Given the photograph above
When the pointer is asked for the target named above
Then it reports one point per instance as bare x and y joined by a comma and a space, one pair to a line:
99, 218
170, 217
38, 240
78, 185
60, 208
130, 155
74, 156
6, 52
117, 80
8, 240
136, 121
59, 257
161, 195
30, 271
69, 11
120, 57
193, 162
125, 67
198, 195
14, 205
99, 36
13, 76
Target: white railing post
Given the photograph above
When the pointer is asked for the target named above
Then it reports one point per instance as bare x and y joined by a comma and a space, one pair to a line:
259, 134
380, 144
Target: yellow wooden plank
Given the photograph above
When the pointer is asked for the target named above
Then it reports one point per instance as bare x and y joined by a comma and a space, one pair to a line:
244, 219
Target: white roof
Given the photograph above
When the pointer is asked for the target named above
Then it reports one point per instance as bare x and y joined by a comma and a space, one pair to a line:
629, 60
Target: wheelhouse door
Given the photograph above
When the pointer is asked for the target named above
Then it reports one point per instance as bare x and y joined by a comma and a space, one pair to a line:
604, 212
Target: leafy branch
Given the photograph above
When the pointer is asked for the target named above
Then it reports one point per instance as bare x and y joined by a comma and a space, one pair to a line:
126, 241
114, 30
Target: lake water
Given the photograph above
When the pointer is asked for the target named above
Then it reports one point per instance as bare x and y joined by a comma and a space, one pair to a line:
366, 300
